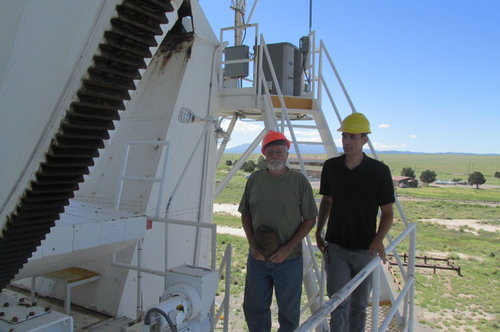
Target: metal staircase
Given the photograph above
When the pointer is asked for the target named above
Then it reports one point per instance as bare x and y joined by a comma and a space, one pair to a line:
305, 112
281, 113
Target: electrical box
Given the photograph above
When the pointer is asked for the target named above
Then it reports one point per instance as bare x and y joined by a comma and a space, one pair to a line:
235, 70
287, 62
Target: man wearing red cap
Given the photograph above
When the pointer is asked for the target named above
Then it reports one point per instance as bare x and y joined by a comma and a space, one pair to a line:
277, 211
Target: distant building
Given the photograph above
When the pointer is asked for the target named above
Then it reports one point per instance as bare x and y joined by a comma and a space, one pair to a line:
404, 182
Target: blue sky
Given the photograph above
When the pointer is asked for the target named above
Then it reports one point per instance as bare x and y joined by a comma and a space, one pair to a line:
426, 73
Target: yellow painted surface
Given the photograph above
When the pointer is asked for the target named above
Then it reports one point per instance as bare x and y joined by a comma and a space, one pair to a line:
71, 274
293, 102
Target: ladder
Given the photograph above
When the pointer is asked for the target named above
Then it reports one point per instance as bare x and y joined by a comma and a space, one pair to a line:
123, 177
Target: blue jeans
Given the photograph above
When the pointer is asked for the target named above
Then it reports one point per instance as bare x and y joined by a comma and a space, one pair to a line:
286, 278
341, 266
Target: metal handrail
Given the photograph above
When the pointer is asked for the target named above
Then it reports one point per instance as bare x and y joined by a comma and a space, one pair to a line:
225, 264
140, 269
374, 265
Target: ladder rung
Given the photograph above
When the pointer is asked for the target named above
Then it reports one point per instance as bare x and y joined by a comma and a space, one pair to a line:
140, 178
310, 143
305, 126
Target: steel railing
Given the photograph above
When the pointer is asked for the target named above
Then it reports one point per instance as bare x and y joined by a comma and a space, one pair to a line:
373, 269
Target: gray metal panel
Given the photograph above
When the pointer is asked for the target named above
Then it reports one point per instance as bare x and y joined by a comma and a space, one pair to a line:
236, 53
287, 63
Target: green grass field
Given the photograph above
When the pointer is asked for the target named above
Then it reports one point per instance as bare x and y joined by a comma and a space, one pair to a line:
446, 166
460, 303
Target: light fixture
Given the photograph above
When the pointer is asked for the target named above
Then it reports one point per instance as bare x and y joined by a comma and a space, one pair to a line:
187, 116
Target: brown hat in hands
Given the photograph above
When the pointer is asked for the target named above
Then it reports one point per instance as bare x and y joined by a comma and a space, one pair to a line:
266, 241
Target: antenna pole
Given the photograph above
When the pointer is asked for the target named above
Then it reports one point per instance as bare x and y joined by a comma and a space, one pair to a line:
239, 13
310, 15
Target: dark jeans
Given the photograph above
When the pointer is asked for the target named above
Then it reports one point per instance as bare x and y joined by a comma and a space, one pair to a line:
341, 266
286, 278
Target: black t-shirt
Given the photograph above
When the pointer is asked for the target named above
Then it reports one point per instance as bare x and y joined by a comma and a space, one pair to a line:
356, 197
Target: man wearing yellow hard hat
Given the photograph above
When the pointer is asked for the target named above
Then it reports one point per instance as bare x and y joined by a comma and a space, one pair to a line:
354, 187
277, 211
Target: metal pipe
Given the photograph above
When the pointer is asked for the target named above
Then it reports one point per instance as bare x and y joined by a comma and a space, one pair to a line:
239, 163
397, 302
252, 10
313, 77
134, 268
311, 254
118, 195
398, 259
346, 94
229, 250
255, 63
184, 171
375, 297
401, 212
166, 151
310, 15
270, 121
165, 248
411, 273
229, 131
139, 278
330, 97
182, 222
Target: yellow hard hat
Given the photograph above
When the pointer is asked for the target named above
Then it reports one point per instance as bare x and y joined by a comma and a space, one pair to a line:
356, 123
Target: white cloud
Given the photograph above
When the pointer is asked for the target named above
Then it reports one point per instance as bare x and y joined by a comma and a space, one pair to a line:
386, 147
246, 132
384, 125
413, 136
304, 135
243, 127
248, 128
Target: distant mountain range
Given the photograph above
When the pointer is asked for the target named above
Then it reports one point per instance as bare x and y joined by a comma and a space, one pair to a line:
317, 149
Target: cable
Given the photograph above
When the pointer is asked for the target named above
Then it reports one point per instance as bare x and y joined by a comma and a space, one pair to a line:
147, 318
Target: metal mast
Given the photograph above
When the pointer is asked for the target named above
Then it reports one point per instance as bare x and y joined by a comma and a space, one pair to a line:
239, 7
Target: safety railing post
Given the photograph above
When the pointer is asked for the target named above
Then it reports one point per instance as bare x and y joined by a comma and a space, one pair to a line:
227, 288
375, 297
411, 273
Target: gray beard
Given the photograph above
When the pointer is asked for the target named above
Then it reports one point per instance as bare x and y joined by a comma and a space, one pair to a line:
276, 165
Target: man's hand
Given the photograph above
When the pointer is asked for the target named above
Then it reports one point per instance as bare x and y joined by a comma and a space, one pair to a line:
281, 254
256, 254
377, 248
320, 242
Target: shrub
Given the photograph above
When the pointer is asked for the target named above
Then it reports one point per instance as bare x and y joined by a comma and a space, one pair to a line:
428, 176
408, 171
261, 163
248, 166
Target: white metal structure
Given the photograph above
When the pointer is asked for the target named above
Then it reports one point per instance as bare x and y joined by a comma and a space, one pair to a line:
77, 89
255, 102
